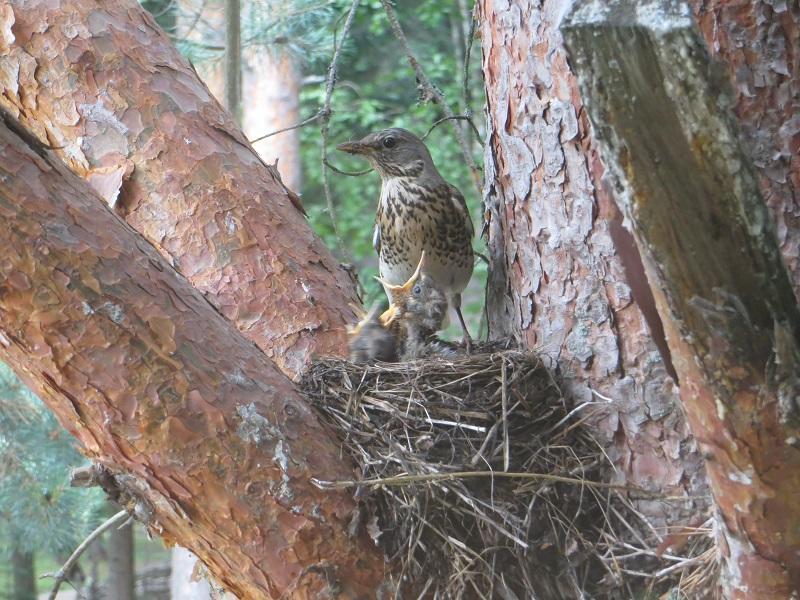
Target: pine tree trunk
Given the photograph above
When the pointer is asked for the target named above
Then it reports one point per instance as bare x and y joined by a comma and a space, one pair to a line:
715, 267
233, 59
272, 82
127, 113
211, 444
23, 575
565, 277
121, 573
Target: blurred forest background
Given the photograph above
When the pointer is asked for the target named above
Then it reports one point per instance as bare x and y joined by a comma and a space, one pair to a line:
275, 80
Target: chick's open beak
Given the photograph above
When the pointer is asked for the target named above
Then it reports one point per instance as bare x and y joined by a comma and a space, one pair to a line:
353, 148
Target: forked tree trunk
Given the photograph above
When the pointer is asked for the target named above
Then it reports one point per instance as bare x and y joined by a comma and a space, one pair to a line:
565, 277
713, 260
210, 440
99, 81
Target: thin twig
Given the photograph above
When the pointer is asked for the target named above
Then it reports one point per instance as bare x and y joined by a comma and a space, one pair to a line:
467, 54
438, 122
302, 123
325, 117
61, 575
431, 92
328, 164
504, 405
431, 477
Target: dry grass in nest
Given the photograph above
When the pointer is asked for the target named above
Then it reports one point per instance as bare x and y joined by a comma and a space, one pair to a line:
479, 481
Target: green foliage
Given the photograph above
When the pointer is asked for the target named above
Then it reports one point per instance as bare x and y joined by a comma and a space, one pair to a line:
38, 509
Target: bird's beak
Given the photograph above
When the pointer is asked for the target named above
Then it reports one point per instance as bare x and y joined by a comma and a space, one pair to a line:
422, 265
354, 148
394, 292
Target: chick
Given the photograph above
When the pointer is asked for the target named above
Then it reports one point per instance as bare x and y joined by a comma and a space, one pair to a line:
371, 341
416, 312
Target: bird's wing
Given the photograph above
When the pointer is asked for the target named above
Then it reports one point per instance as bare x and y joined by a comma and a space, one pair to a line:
461, 206
376, 235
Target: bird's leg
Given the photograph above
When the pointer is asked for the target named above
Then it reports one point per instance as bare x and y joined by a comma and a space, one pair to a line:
467, 339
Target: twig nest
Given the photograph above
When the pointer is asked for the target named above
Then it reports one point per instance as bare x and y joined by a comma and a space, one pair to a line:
478, 480
438, 443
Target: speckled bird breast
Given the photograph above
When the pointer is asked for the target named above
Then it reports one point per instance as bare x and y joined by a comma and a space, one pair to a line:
412, 219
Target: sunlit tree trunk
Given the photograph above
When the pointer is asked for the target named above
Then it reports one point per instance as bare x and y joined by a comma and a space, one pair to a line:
272, 81
565, 277
211, 446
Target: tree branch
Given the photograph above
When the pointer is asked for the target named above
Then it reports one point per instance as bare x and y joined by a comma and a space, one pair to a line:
330, 85
61, 574
184, 176
204, 436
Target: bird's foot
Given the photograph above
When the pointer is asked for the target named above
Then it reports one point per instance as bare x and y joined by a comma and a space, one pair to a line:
467, 341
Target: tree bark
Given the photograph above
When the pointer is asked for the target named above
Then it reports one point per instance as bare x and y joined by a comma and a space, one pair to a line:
23, 575
121, 574
205, 434
661, 111
100, 82
565, 277
758, 42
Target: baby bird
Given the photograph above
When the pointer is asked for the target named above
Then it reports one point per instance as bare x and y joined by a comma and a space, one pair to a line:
418, 211
416, 312
370, 340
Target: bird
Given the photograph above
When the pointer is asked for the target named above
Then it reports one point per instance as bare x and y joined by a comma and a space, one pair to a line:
407, 329
417, 310
418, 211
370, 340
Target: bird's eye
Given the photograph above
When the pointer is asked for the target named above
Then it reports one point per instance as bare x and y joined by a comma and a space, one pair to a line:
389, 142
417, 290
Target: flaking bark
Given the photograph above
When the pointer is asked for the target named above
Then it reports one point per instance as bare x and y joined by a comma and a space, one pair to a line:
565, 277
662, 112
203, 430
99, 81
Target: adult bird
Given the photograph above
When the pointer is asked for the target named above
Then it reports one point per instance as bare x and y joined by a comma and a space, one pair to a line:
418, 211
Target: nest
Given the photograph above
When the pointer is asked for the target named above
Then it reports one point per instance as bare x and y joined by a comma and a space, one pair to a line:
478, 480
